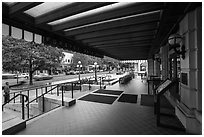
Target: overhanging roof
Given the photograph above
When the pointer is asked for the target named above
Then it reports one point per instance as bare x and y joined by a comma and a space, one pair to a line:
125, 31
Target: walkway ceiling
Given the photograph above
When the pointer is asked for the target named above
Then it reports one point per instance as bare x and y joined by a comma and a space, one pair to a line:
125, 31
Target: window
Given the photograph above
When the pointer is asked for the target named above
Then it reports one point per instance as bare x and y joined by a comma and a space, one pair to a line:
16, 32
5, 29
28, 36
38, 38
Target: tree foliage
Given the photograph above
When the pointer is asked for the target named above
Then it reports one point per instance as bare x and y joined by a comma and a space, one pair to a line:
89, 60
18, 54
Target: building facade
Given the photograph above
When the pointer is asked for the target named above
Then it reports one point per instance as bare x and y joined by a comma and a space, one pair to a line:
188, 70
67, 60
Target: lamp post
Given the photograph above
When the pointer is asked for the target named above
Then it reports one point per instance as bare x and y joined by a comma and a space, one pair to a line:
174, 41
95, 64
79, 66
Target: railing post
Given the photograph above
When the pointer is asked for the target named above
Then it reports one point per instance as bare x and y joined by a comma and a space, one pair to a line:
62, 96
100, 82
57, 90
28, 94
36, 93
20, 97
23, 113
28, 109
72, 90
51, 90
89, 84
45, 89
43, 103
14, 100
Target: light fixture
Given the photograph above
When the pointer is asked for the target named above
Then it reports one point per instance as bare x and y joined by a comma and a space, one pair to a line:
175, 41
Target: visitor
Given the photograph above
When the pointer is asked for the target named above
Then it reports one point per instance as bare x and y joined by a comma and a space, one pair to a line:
6, 92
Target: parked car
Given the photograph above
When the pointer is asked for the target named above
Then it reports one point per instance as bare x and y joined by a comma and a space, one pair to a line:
42, 76
70, 72
8, 76
91, 71
22, 75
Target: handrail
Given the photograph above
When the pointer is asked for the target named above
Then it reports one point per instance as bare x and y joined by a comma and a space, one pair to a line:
23, 109
41, 86
41, 95
14, 98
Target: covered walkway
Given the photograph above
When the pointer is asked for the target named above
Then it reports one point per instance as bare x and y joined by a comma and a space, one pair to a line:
101, 119
166, 34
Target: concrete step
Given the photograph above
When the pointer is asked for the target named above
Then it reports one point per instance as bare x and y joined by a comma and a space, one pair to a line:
11, 124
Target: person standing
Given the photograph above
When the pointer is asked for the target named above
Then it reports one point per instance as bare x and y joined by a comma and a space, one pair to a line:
6, 92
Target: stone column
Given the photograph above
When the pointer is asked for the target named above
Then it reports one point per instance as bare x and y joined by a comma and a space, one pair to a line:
191, 72
164, 61
150, 66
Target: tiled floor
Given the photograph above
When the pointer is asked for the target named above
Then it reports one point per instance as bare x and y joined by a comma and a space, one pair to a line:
101, 119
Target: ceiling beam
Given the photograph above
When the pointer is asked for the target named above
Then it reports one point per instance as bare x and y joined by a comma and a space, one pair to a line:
119, 30
129, 46
123, 40
132, 8
118, 36
69, 10
124, 43
131, 20
21, 7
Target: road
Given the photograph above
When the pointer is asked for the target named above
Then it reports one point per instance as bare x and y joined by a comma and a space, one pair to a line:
55, 78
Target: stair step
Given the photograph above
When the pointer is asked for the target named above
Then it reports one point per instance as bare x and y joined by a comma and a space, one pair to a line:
11, 124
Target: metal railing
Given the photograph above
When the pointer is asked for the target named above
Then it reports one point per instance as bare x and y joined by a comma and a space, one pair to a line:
23, 103
36, 93
33, 94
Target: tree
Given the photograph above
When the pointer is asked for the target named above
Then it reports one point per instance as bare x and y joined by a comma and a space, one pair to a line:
20, 54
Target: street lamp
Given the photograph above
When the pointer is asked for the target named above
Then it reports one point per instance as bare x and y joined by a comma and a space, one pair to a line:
79, 66
95, 64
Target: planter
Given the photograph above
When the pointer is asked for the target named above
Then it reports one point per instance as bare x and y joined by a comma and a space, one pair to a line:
127, 78
85, 87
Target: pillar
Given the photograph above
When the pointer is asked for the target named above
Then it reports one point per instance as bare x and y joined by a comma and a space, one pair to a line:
191, 72
150, 63
164, 61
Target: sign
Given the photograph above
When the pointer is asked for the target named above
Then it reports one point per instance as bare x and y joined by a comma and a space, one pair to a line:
164, 85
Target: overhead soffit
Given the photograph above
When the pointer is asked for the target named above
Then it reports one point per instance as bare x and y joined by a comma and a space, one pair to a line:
127, 30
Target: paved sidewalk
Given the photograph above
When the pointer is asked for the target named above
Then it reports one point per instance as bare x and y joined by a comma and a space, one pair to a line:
89, 118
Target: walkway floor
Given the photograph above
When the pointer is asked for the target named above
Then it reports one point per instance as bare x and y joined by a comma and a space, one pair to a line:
89, 118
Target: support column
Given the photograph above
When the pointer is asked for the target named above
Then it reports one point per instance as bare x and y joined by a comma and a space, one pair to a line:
191, 73
164, 61
150, 66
